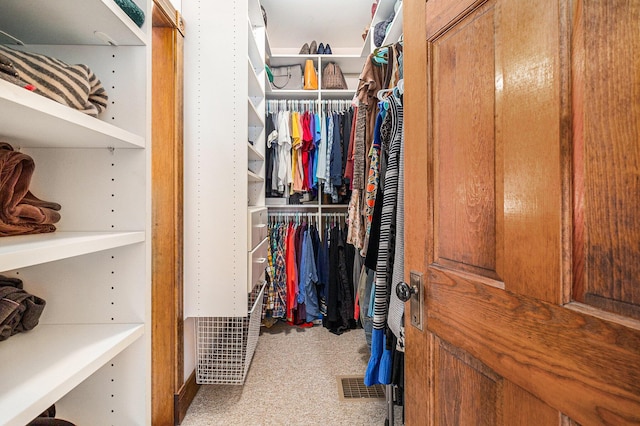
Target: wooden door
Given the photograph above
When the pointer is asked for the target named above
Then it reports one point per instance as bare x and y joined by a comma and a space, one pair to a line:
522, 194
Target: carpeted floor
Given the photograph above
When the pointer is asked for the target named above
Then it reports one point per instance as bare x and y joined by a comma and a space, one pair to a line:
293, 381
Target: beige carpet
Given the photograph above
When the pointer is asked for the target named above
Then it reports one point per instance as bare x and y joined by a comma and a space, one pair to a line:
293, 381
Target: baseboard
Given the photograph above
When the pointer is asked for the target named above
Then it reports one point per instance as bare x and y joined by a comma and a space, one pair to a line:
183, 399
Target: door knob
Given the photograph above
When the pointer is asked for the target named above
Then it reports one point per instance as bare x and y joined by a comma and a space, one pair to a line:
404, 291
414, 294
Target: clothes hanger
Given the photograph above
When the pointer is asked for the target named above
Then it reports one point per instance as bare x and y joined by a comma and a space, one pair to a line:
381, 55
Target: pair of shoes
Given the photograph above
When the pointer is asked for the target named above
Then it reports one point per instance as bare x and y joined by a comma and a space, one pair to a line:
310, 49
324, 50
314, 49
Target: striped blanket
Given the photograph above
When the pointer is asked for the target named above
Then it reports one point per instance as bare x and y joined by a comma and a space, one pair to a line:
72, 85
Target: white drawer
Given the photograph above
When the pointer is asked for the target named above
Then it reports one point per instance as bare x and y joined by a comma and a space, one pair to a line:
257, 263
257, 227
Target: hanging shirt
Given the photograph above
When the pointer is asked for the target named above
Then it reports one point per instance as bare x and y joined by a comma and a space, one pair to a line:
308, 279
284, 152
296, 145
292, 272
322, 149
316, 143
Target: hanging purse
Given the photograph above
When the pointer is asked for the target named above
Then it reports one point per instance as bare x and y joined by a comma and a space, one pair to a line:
288, 77
310, 76
332, 77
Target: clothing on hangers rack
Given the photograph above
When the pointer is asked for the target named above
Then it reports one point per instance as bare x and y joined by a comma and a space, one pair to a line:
308, 279
307, 143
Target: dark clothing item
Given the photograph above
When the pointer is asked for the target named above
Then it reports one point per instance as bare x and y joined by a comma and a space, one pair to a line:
323, 272
374, 236
19, 310
269, 158
346, 135
340, 292
336, 152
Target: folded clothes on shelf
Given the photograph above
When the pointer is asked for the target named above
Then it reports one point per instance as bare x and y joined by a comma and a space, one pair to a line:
21, 212
73, 85
19, 310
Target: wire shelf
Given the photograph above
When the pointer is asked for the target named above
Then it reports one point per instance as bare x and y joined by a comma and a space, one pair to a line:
225, 345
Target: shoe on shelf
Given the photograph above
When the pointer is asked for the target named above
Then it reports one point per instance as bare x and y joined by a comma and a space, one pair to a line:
321, 49
305, 49
327, 49
313, 48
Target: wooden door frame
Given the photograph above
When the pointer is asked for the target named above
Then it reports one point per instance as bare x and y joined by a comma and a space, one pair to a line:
168, 404
417, 217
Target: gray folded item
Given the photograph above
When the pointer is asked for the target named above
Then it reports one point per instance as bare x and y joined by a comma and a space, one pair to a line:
19, 310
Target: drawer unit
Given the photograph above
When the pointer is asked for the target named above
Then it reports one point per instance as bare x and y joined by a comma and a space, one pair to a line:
257, 227
257, 263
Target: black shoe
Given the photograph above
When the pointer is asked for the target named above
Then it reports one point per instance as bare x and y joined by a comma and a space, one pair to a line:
321, 49
327, 49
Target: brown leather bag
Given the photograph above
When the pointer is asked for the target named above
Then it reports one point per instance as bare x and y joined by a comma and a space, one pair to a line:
332, 77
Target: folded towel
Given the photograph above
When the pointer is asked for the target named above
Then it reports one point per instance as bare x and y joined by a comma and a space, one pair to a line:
21, 212
72, 85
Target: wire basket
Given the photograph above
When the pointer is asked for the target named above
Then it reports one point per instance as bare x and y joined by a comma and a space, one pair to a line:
225, 345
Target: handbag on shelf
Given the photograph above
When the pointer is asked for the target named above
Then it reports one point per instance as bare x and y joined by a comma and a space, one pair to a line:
332, 77
288, 77
310, 76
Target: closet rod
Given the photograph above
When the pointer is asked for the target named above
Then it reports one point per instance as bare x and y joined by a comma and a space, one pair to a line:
328, 105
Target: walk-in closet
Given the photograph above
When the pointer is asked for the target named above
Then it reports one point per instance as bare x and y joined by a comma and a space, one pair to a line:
294, 212
274, 240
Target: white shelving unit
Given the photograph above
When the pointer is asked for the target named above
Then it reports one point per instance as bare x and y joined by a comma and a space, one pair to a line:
224, 183
90, 354
224, 172
383, 11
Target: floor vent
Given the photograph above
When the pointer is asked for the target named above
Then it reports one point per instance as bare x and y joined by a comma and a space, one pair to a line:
352, 388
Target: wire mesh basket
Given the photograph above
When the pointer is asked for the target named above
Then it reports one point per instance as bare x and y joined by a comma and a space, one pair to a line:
225, 345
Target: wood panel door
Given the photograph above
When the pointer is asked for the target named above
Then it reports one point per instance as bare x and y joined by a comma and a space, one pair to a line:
522, 193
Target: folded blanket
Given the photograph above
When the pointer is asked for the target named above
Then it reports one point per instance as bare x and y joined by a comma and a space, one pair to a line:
72, 85
9, 73
19, 310
21, 212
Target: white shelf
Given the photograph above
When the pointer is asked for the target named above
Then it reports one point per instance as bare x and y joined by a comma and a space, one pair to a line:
292, 94
383, 11
337, 94
254, 177
50, 360
254, 51
255, 119
255, 90
395, 29
294, 206
255, 13
254, 155
28, 250
267, 43
55, 125
69, 22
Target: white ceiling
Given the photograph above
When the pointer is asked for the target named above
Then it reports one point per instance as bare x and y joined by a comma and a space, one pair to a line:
291, 23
